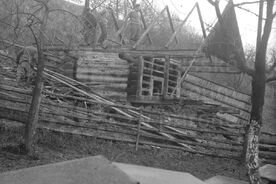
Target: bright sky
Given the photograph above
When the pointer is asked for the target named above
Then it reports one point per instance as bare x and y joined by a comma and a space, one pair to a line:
247, 21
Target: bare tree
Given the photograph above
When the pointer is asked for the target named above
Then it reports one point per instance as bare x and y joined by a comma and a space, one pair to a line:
36, 100
259, 79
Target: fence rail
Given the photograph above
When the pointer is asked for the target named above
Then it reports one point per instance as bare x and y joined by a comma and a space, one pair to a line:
198, 135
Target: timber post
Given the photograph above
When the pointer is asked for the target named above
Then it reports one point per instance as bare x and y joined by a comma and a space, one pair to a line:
138, 130
166, 76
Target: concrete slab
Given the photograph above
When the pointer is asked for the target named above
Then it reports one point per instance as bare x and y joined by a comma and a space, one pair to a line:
91, 170
149, 175
224, 180
268, 171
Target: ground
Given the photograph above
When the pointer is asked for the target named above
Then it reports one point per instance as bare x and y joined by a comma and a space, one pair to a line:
55, 147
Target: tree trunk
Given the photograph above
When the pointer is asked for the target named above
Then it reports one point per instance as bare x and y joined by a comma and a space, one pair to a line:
258, 94
35, 104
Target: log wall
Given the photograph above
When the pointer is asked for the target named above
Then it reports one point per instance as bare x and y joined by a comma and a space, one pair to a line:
110, 76
105, 73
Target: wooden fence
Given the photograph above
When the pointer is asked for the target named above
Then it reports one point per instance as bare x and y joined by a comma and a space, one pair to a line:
198, 88
93, 118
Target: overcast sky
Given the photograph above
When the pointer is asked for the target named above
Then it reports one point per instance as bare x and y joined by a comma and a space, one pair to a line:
247, 21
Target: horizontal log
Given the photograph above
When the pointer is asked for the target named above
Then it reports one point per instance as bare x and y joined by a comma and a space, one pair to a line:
83, 78
244, 115
216, 89
203, 63
223, 89
206, 69
89, 67
91, 74
102, 63
268, 155
152, 64
217, 96
163, 53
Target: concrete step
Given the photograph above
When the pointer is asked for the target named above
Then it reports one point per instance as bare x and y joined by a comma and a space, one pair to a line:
268, 172
91, 170
224, 180
150, 175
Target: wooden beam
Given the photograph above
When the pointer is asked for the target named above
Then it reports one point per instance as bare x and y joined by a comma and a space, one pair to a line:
116, 25
162, 54
140, 76
179, 27
206, 69
171, 23
201, 21
148, 29
145, 26
166, 76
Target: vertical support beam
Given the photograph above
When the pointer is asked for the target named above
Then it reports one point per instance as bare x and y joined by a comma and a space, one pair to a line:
145, 26
202, 27
171, 23
166, 76
148, 29
140, 76
138, 130
161, 122
116, 25
179, 27
201, 21
178, 85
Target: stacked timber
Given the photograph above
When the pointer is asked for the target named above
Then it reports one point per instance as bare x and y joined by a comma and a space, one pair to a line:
208, 91
105, 73
61, 63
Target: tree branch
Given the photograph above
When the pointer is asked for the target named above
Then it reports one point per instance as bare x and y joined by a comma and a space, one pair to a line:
245, 3
216, 5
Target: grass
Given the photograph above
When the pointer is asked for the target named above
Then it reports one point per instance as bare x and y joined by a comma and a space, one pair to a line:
55, 147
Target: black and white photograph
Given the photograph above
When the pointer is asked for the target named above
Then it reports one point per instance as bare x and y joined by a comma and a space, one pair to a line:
137, 91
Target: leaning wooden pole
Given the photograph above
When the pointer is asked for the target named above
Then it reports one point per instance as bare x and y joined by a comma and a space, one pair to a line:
36, 100
145, 26
171, 23
148, 29
179, 27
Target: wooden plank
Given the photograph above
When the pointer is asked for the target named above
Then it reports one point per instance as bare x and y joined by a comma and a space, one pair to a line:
140, 76
206, 69
179, 27
148, 29
92, 73
101, 78
171, 24
222, 89
242, 118
213, 94
166, 76
145, 26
